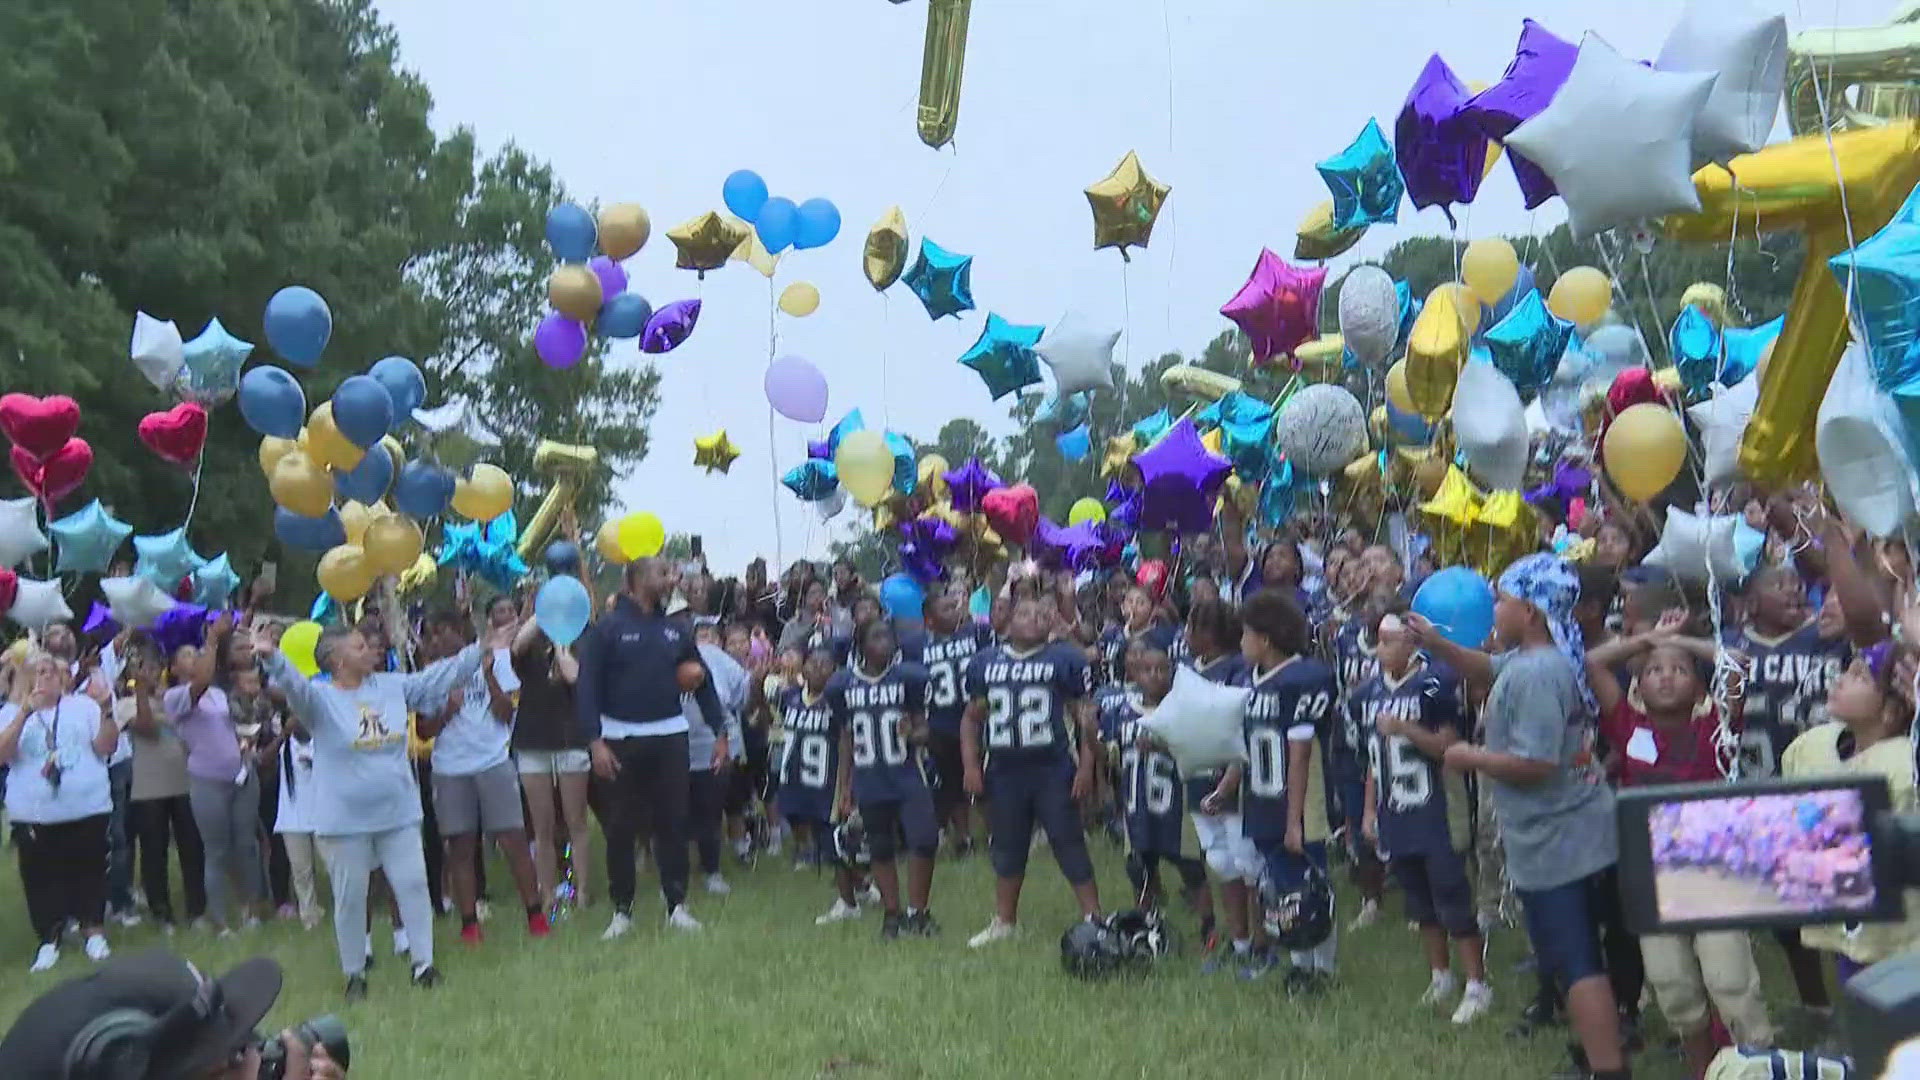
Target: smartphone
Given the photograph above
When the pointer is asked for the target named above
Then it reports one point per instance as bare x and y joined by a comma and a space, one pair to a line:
269, 577
1769, 853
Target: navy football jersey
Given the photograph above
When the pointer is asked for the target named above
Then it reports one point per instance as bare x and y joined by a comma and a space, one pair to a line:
1786, 691
946, 657
1150, 796
1416, 801
1115, 642
1179, 652
1294, 702
870, 709
1354, 663
1027, 698
1112, 707
811, 757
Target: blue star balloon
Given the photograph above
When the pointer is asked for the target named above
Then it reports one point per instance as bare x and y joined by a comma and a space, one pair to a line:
214, 582
165, 558
1240, 407
906, 473
1745, 346
1075, 444
1249, 445
1409, 311
1526, 345
812, 480
1500, 309
459, 544
848, 424
1065, 411
1277, 496
211, 372
1694, 343
1885, 268
1150, 428
1004, 356
942, 280
1365, 182
87, 538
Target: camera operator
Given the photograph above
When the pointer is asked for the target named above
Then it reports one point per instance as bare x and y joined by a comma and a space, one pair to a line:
156, 1017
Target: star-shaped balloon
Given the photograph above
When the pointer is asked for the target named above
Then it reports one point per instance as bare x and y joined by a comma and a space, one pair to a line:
1249, 445
215, 582
1148, 429
1081, 355
1074, 444
87, 539
1066, 411
1125, 206
1364, 179
1528, 343
847, 425
703, 243
1540, 65
1279, 306
459, 543
1277, 496
1118, 454
714, 452
1885, 269
1075, 547
943, 280
186, 624
1179, 480
906, 472
165, 558
970, 483
1442, 153
1201, 722
36, 604
812, 480
1745, 345
157, 350
210, 367
99, 623
1004, 357
1694, 344
135, 601
20, 535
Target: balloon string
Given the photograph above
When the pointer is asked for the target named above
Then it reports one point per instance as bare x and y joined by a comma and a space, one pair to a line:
194, 500
773, 461
1126, 337
886, 396
1173, 233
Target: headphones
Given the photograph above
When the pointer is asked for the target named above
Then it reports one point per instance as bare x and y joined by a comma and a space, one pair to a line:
119, 1043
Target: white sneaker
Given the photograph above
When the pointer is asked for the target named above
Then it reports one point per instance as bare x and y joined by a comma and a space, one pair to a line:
717, 885
742, 848
44, 960
618, 927
1478, 999
1440, 988
682, 919
839, 912
482, 910
128, 918
97, 949
1369, 914
995, 931
401, 946
870, 894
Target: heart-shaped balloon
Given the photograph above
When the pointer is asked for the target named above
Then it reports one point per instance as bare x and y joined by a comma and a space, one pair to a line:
56, 477
9, 588
40, 426
1013, 512
176, 434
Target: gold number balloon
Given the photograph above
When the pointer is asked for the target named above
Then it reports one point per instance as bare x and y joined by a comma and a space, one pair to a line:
886, 251
941, 65
568, 467
1865, 75
1125, 205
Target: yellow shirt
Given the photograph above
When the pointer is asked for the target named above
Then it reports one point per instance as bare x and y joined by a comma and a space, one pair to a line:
1817, 753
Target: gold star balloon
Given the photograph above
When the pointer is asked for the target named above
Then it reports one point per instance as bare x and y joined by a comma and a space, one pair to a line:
1125, 206
752, 252
704, 243
1120, 451
714, 452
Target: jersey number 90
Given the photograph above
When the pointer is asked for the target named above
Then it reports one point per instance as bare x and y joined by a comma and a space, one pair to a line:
871, 747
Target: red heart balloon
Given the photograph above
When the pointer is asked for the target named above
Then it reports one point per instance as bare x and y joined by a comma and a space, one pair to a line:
177, 434
1013, 512
40, 426
1152, 576
9, 588
62, 472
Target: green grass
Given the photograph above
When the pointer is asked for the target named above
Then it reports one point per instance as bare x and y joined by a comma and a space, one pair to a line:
764, 993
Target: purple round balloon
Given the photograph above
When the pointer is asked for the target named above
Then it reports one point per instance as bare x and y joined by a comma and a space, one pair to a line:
796, 390
613, 279
560, 341
669, 326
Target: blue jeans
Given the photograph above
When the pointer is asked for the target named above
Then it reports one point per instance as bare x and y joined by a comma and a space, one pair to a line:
119, 843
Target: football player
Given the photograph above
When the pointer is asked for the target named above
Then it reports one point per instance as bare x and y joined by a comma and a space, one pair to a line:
944, 650
1136, 621
1151, 800
1354, 663
807, 770
1213, 636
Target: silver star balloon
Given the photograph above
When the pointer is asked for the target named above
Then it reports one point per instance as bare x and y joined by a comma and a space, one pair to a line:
135, 601
38, 603
1080, 354
20, 535
156, 350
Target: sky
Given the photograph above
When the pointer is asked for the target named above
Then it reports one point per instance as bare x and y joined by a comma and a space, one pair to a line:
1228, 101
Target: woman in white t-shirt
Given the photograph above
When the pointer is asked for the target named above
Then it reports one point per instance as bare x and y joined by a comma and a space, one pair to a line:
56, 747
294, 825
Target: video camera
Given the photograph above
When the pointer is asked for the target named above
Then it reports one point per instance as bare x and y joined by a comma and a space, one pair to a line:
327, 1031
1781, 854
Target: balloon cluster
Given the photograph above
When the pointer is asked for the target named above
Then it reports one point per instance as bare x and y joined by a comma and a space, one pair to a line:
588, 290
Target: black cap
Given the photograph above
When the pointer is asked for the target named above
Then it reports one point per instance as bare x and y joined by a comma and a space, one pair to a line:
203, 1021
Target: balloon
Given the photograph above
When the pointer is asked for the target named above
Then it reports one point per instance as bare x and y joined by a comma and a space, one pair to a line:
714, 452
271, 401
1862, 458
1180, 478
1438, 346
392, 543
1365, 182
1004, 359
1528, 343
1200, 722
777, 224
1442, 154
622, 317
165, 558
796, 389
1278, 307
1490, 426
624, 229
641, 535
1645, 447
272, 450
1887, 287
575, 291
1316, 238
214, 583
87, 538
1459, 604
563, 608
1746, 51
932, 483
1747, 348
1722, 420
970, 483
210, 366
816, 223
1489, 267
1397, 394
1086, 509
1125, 205
405, 385
354, 519
362, 411
1013, 512
1694, 346
942, 60
901, 596
297, 643
562, 557
20, 536
1075, 443
943, 280
177, 434
1152, 576
157, 351
560, 341
704, 243
813, 480
300, 485
885, 254
1080, 355
606, 542
37, 604
298, 324
484, 493
613, 280
1541, 63
1721, 549
135, 601
423, 490
1069, 411
1320, 428
1581, 296
864, 465
366, 482
345, 573
571, 234
669, 326
59, 475
744, 193
309, 533
1369, 314
799, 299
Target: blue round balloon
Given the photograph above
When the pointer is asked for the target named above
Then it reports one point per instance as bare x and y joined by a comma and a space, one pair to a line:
298, 324
819, 223
422, 490
901, 596
571, 233
744, 193
1459, 604
309, 533
624, 316
562, 608
362, 410
563, 557
404, 383
271, 402
778, 224
366, 482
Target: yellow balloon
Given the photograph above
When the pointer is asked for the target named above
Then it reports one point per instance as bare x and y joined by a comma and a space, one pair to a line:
419, 575
300, 485
1125, 205
1323, 357
484, 493
392, 543
1489, 267
1087, 509
1397, 388
1436, 348
326, 444
607, 542
885, 255
1465, 302
1711, 299
641, 535
624, 229
397, 454
704, 243
345, 573
297, 643
942, 60
272, 450
933, 479
1581, 296
574, 291
865, 465
1645, 447
799, 299
354, 519
752, 252
1316, 238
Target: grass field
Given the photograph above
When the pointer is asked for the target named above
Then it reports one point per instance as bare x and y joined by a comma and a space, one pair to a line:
764, 993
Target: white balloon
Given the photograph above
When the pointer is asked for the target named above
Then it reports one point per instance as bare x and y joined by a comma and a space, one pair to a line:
1691, 545
1747, 50
135, 601
1857, 437
38, 603
1200, 721
1321, 428
20, 535
1369, 314
831, 506
1490, 426
1617, 139
157, 350
1722, 420
1080, 355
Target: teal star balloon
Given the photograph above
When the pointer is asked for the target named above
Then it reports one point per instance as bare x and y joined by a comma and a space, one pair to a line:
1885, 268
906, 471
1004, 356
1150, 428
214, 582
166, 558
1527, 345
87, 539
1364, 179
1069, 411
211, 372
943, 280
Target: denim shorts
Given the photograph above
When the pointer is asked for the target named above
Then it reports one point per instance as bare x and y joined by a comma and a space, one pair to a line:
1564, 924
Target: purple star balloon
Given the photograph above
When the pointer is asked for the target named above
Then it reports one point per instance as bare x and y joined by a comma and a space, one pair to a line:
185, 624
669, 326
820, 449
1279, 306
1125, 503
1541, 62
924, 565
1180, 480
970, 483
100, 622
1442, 153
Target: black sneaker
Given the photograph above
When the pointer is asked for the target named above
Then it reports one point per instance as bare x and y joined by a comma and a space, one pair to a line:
427, 977
962, 847
1630, 1038
890, 926
1537, 1015
1306, 982
356, 988
921, 924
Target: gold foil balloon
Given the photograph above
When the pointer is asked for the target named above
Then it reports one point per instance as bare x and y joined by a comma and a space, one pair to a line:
1197, 382
418, 576
1645, 447
752, 252
567, 467
484, 493
715, 452
1581, 296
1397, 393
355, 518
799, 299
392, 542
574, 291
345, 573
1864, 75
300, 485
272, 449
1321, 358
607, 542
1489, 267
326, 445
1125, 205
1359, 492
703, 243
1436, 348
1710, 299
933, 478
885, 254
1119, 454
1316, 238
942, 61
624, 229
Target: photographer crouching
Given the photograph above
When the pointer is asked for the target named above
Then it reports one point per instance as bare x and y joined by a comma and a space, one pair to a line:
156, 1017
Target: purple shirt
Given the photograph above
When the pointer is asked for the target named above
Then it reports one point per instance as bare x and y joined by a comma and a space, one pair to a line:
213, 747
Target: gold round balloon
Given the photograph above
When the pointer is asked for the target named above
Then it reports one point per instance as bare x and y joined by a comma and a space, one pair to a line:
354, 518
885, 255
607, 542
800, 299
345, 573
272, 449
1316, 238
392, 542
1711, 299
301, 485
325, 443
574, 291
484, 493
624, 229
395, 453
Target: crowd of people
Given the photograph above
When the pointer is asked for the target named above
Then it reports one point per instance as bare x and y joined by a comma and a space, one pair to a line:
705, 714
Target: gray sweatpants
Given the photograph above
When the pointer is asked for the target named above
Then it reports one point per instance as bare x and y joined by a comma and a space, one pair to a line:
350, 861
228, 817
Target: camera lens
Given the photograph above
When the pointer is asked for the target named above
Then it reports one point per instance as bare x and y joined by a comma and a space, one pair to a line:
330, 1032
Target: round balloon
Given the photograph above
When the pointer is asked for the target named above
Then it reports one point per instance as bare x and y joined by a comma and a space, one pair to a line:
624, 229
562, 557
560, 341
298, 324
563, 608
297, 643
901, 596
345, 573
570, 233
368, 480
622, 317
325, 442
1645, 447
865, 466
484, 493
777, 224
1088, 509
607, 542
1369, 314
404, 383
1321, 428
575, 292
271, 401
744, 193
817, 222
1459, 604
308, 533
1581, 296
796, 390
392, 543
422, 490
301, 485
613, 280
641, 535
799, 299
362, 410
1489, 267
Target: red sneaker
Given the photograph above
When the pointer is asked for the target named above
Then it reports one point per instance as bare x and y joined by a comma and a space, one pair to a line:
537, 924
470, 934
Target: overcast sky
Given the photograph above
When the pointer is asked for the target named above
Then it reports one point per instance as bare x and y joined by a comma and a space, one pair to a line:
1229, 101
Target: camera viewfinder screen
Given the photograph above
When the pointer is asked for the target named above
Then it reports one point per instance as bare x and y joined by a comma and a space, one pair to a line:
1758, 855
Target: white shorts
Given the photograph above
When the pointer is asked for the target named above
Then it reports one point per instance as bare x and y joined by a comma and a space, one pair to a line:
1230, 855
552, 762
